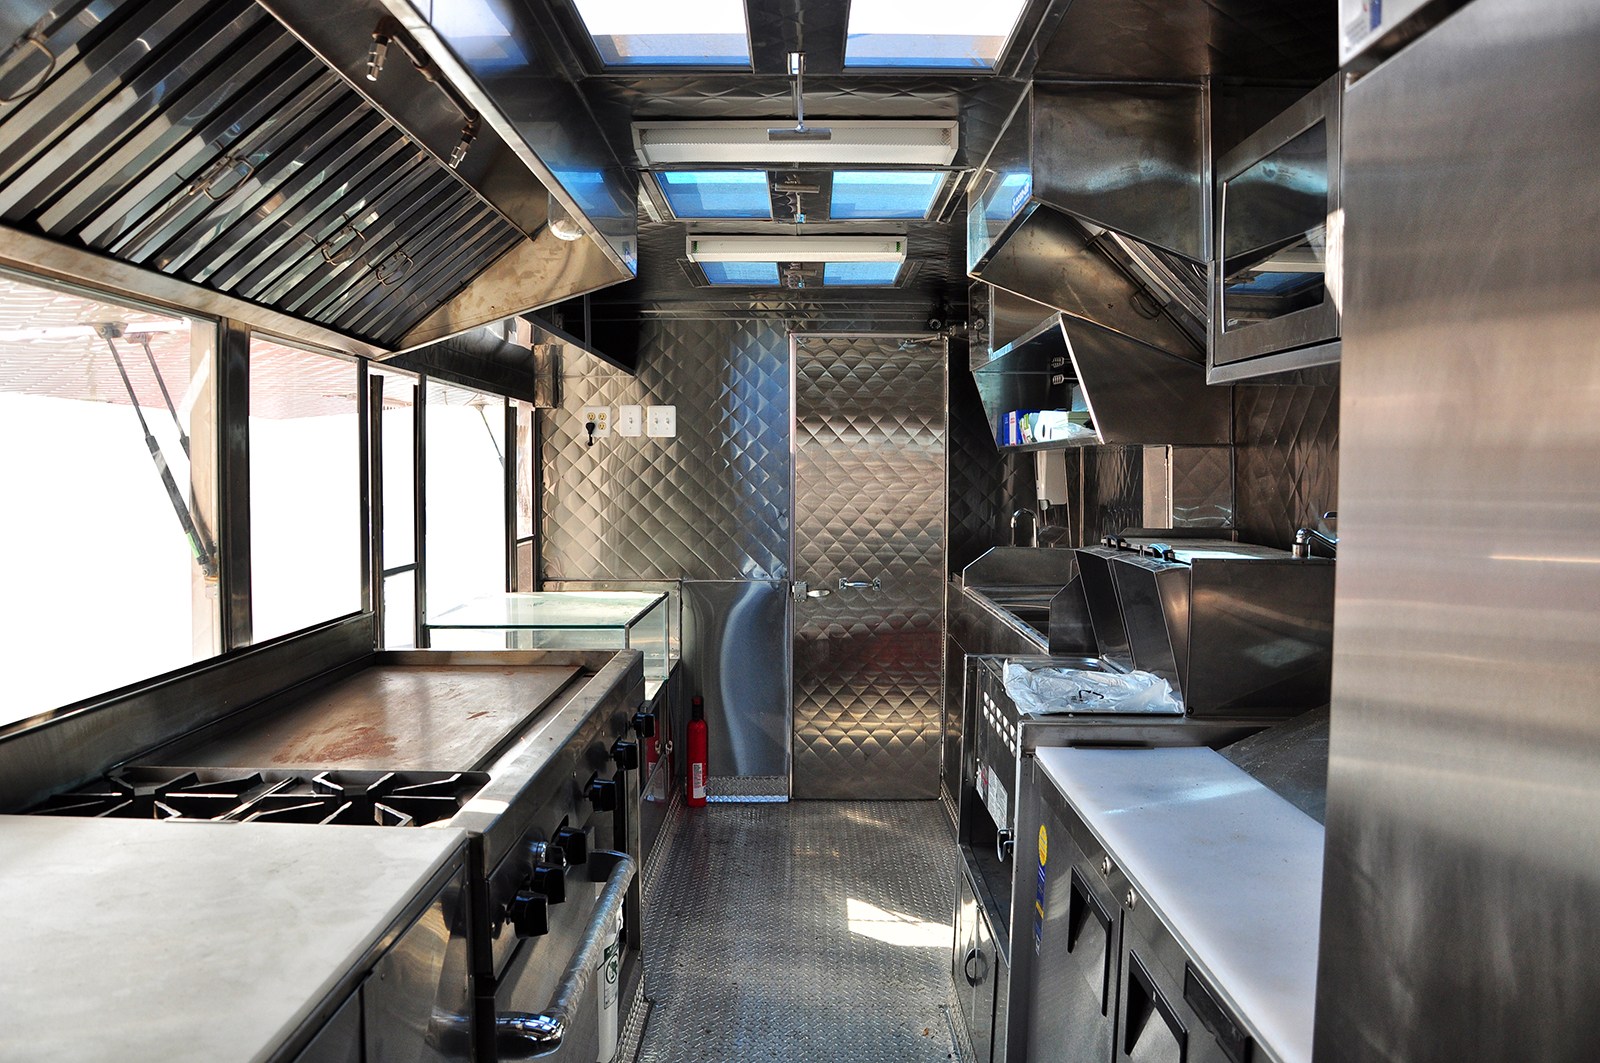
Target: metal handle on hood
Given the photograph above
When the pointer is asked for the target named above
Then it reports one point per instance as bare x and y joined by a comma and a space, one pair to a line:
520, 1035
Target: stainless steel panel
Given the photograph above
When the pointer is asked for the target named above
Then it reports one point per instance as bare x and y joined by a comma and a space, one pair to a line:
870, 506
1190, 39
710, 504
418, 999
1464, 796
1286, 460
840, 953
83, 741
1131, 158
737, 652
339, 1040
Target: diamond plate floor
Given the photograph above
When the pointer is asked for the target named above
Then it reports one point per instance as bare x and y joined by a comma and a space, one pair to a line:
818, 930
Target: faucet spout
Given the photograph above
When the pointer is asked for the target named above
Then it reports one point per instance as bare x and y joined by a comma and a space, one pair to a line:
1033, 527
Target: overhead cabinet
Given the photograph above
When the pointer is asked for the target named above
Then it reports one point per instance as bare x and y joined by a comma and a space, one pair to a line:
1275, 278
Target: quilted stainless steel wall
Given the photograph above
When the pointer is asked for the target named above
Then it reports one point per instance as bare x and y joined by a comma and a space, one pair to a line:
1286, 460
710, 504
870, 505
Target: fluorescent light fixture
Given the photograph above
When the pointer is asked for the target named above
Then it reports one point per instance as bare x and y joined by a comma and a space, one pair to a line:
796, 248
853, 142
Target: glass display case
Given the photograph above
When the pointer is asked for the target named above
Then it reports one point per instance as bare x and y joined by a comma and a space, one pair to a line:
561, 620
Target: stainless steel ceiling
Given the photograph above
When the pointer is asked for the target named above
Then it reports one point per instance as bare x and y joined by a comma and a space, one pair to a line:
1237, 42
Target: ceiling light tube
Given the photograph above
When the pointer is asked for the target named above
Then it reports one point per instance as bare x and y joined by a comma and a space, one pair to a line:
796, 248
852, 142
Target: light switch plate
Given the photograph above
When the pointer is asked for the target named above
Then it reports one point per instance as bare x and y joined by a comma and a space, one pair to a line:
662, 420
601, 416
630, 420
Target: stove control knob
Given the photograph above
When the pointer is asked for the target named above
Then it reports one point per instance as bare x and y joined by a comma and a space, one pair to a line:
549, 881
528, 914
551, 853
645, 724
625, 753
575, 843
602, 793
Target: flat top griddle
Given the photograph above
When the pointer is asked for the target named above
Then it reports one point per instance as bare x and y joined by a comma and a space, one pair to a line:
389, 717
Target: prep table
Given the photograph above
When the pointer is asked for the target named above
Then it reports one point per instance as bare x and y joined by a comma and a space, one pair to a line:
1211, 882
137, 940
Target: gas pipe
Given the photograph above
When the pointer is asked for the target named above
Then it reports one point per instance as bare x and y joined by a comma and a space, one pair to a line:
697, 752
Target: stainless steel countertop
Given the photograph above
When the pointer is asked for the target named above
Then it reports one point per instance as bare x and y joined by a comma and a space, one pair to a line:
138, 940
1231, 868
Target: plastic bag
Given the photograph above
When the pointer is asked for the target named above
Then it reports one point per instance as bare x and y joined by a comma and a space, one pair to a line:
1050, 690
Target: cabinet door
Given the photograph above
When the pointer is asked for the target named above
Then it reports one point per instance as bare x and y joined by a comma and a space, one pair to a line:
1072, 993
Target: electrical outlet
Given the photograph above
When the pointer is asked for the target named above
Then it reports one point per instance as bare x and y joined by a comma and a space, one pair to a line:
600, 416
630, 420
662, 420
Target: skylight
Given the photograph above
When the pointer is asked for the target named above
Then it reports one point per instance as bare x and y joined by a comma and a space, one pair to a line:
884, 194
747, 274
937, 33
859, 274
657, 33
834, 274
717, 194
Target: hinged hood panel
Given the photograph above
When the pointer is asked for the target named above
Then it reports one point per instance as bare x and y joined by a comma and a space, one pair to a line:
1095, 201
206, 142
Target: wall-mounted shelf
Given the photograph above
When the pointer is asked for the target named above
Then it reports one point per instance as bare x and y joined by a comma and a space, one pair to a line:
1127, 391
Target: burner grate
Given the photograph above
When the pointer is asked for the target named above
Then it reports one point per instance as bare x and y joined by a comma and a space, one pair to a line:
368, 798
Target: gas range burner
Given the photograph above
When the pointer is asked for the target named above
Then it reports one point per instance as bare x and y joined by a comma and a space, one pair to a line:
388, 799
385, 799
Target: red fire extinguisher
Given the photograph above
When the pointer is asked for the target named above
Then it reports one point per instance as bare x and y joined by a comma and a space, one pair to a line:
697, 752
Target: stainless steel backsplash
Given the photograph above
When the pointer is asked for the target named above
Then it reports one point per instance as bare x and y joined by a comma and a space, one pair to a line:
712, 503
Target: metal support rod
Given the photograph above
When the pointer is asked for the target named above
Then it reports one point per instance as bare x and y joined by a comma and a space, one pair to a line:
200, 544
143, 340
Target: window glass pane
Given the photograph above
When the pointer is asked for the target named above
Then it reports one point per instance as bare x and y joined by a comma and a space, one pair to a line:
399, 468
400, 612
884, 194
720, 194
941, 33
109, 568
305, 489
652, 33
861, 274
745, 273
465, 504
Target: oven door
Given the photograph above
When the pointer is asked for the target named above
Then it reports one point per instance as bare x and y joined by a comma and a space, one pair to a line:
559, 998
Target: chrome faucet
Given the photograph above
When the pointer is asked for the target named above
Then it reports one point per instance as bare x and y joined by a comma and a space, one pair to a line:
1033, 527
1306, 538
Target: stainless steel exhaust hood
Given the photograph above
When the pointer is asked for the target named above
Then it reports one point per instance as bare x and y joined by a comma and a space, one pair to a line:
238, 158
1095, 200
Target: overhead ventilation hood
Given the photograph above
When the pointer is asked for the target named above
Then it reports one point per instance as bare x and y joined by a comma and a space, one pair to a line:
1101, 386
253, 161
1095, 201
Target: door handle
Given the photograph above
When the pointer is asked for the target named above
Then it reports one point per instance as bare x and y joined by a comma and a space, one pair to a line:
801, 590
860, 584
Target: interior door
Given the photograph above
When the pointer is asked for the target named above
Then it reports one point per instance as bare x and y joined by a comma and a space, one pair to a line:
868, 565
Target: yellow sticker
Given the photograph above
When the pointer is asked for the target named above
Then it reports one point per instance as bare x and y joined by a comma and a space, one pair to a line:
1044, 846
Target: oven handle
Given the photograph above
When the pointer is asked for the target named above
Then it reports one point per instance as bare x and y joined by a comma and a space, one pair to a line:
521, 1035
